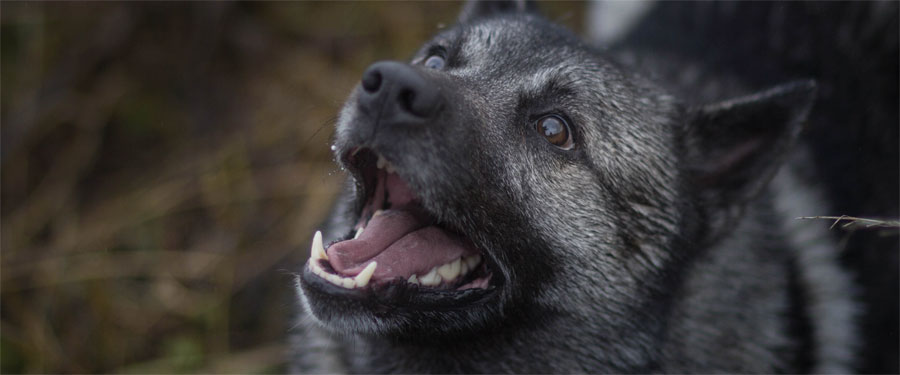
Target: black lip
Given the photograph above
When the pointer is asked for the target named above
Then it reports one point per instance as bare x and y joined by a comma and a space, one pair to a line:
396, 294
398, 306
398, 310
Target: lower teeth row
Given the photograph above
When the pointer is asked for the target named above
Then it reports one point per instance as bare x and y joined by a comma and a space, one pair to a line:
447, 272
444, 273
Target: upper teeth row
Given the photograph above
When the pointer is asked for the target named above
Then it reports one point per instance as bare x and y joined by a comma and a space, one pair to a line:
384, 164
447, 272
317, 253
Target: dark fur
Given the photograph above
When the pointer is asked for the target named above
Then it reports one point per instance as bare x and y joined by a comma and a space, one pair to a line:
657, 245
851, 49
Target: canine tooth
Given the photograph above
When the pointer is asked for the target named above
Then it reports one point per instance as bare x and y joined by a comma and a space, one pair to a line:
363, 278
431, 278
347, 282
359, 232
377, 212
381, 162
318, 248
473, 261
413, 280
449, 271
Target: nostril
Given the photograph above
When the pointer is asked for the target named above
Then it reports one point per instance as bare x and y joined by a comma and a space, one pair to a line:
371, 81
406, 98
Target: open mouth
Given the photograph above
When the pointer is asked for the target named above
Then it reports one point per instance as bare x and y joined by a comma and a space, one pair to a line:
396, 242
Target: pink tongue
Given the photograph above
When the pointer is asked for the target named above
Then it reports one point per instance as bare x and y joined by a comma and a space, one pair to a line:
402, 242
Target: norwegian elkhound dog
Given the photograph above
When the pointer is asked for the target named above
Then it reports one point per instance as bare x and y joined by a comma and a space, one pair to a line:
520, 201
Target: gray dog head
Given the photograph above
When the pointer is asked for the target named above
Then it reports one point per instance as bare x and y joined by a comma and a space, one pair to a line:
574, 189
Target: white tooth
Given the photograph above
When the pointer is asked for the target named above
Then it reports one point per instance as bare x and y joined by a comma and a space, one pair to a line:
431, 279
334, 279
377, 212
318, 248
347, 282
381, 162
363, 278
463, 266
413, 280
314, 265
358, 233
473, 261
390, 168
449, 271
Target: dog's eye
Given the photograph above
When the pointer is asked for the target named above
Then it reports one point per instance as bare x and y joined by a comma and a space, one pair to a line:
556, 130
434, 62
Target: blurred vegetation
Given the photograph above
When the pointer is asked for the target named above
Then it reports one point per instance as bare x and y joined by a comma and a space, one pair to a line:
163, 168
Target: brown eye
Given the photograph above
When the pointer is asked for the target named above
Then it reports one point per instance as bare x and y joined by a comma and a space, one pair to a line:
556, 131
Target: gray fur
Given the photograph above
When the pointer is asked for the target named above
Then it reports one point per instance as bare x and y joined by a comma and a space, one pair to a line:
830, 287
615, 258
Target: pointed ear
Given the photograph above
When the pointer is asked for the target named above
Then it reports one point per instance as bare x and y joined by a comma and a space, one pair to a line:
486, 8
736, 146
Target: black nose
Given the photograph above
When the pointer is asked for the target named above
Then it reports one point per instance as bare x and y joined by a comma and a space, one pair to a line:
397, 92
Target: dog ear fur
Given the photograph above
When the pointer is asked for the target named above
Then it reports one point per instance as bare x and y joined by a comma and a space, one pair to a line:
736, 146
475, 9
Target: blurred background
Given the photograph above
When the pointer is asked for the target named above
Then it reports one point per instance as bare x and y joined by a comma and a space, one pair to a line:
164, 166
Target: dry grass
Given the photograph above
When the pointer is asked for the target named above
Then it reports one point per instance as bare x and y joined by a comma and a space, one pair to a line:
163, 167
854, 223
